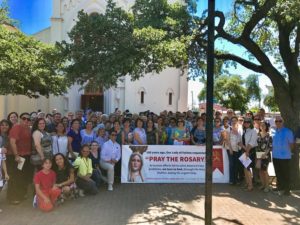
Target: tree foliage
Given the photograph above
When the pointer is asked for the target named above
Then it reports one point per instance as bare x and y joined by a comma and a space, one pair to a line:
252, 87
156, 34
27, 66
229, 91
105, 47
270, 101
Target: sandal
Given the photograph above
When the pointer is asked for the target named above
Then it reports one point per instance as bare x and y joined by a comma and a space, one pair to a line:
16, 202
249, 189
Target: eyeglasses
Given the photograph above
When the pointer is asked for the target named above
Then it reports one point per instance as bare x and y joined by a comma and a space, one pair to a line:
256, 119
26, 118
278, 121
95, 145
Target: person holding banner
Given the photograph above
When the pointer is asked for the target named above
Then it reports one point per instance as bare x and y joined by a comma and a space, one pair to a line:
181, 135
110, 155
135, 165
198, 135
139, 133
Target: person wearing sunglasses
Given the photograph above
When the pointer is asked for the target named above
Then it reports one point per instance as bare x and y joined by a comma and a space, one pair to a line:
283, 141
20, 149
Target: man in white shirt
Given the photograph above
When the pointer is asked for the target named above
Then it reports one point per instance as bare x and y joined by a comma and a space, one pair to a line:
110, 155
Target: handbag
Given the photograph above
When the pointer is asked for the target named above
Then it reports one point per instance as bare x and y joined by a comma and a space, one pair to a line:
35, 159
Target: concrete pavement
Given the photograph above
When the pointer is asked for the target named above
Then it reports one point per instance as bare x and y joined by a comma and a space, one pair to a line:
161, 204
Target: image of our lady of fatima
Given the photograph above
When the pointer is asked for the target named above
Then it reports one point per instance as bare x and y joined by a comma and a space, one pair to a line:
135, 163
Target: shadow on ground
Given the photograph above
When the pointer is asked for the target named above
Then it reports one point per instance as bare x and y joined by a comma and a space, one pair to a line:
151, 204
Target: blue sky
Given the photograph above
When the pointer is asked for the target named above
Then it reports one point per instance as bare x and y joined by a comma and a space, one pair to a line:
33, 15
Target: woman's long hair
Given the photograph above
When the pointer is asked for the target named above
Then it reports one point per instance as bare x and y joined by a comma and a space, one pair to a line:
67, 164
35, 125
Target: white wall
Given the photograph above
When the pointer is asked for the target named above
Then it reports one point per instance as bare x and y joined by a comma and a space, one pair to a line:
156, 88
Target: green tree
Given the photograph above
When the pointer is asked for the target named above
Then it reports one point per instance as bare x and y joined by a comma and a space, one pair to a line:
27, 66
252, 87
270, 101
269, 32
230, 92
105, 47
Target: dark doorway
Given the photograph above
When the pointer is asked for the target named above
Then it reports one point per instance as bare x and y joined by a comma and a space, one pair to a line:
93, 102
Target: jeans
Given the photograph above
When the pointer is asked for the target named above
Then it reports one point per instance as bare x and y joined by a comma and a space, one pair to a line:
96, 176
233, 166
88, 186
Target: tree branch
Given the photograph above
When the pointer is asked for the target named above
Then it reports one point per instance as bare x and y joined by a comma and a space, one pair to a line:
258, 15
245, 63
220, 29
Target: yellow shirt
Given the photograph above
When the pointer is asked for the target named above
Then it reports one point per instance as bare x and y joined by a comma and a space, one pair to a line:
83, 165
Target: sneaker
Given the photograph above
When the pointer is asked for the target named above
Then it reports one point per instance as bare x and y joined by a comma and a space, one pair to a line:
280, 193
110, 187
34, 203
81, 193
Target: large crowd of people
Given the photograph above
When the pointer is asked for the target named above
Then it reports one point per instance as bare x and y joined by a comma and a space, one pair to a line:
69, 156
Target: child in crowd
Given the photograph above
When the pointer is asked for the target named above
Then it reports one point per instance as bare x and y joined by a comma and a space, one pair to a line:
2, 168
46, 190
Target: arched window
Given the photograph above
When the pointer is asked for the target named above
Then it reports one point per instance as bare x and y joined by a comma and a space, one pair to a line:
170, 94
142, 93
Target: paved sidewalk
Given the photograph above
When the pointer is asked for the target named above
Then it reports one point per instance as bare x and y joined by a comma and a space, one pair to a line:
161, 204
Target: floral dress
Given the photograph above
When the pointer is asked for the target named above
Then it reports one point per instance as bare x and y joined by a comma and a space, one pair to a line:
264, 145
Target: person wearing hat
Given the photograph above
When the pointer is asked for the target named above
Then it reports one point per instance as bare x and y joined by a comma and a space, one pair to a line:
249, 143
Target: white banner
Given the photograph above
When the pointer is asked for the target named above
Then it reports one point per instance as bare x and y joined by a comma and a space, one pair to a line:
171, 164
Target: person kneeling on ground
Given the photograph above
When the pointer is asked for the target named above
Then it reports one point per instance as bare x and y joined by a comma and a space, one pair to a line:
83, 164
65, 178
46, 191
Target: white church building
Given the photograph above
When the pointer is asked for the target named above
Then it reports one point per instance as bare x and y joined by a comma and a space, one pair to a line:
155, 92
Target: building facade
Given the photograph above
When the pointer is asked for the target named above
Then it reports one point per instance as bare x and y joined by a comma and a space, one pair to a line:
156, 92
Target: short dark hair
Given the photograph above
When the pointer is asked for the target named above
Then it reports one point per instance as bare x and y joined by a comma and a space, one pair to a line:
24, 114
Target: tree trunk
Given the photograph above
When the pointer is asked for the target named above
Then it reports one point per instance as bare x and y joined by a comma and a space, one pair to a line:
289, 106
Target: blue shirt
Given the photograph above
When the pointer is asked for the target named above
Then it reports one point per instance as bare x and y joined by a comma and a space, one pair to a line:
76, 142
282, 138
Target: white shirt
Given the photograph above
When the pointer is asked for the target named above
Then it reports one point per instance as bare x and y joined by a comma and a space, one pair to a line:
60, 144
110, 151
2, 157
234, 139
